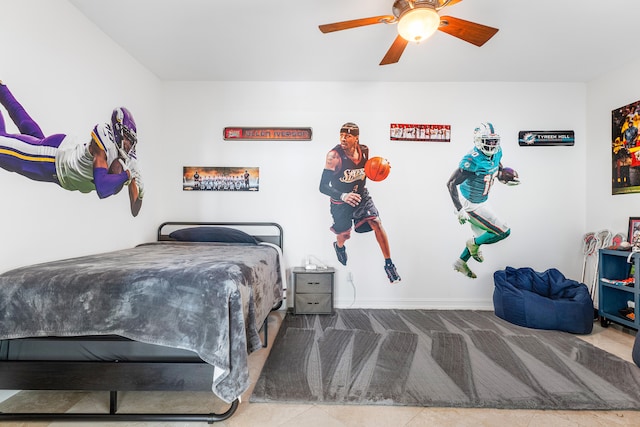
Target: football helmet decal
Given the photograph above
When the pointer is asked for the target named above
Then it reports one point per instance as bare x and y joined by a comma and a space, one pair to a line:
124, 126
486, 139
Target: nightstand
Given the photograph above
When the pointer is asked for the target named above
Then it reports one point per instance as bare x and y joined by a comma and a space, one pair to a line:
313, 291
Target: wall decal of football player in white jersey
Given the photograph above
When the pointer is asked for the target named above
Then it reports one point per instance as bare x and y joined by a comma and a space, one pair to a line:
105, 164
475, 175
343, 180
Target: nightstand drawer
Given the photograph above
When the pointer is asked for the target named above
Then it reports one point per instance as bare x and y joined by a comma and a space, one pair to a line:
313, 304
313, 283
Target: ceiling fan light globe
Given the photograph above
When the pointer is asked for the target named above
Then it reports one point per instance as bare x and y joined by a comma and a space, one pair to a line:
418, 24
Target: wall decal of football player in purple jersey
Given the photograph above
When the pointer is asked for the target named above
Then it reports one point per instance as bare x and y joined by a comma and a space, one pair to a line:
105, 164
474, 177
343, 180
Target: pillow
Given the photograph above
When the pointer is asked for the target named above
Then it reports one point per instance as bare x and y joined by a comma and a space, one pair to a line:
212, 234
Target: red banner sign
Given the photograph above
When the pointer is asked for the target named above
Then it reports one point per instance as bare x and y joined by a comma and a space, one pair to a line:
267, 134
420, 132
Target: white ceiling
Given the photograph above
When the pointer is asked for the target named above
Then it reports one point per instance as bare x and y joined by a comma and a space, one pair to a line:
279, 40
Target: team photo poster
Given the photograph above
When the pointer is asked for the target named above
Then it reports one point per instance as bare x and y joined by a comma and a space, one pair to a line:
212, 178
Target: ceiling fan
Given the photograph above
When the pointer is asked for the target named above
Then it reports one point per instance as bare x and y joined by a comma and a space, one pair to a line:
417, 20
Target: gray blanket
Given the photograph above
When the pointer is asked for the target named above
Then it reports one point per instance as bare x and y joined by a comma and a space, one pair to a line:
204, 297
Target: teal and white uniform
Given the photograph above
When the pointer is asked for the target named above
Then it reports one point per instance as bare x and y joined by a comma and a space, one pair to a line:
485, 169
475, 190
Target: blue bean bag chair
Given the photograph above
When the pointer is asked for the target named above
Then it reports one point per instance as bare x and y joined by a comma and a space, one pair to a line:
545, 300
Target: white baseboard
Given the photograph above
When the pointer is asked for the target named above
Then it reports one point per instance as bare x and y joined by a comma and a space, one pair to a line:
413, 304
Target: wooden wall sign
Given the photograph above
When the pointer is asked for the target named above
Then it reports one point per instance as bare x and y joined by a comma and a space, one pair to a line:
267, 134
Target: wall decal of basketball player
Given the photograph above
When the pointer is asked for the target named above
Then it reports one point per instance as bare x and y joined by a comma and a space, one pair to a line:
105, 164
475, 175
343, 180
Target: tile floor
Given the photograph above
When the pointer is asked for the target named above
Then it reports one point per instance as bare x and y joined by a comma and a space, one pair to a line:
614, 339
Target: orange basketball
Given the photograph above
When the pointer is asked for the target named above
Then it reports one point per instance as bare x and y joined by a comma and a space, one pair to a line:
377, 168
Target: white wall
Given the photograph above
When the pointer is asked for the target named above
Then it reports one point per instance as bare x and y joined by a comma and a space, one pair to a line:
69, 76
415, 207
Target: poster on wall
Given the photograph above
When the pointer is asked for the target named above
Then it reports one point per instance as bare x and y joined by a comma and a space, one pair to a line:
211, 178
537, 138
104, 162
267, 134
473, 177
420, 132
625, 151
349, 170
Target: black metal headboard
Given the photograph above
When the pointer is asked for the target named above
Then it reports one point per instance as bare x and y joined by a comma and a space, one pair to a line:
269, 232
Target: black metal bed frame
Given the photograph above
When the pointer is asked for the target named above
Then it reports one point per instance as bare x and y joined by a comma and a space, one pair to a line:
122, 376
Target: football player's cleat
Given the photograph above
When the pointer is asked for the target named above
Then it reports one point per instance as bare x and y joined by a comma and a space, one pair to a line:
474, 250
486, 139
463, 268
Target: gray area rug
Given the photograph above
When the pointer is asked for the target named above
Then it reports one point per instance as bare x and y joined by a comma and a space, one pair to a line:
436, 358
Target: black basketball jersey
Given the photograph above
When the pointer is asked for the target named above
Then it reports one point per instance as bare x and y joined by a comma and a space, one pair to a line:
349, 177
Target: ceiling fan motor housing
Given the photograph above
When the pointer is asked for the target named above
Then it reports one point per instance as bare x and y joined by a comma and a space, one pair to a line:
402, 6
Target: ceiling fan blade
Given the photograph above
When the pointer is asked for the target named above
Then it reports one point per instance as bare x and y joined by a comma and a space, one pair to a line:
468, 31
395, 51
345, 25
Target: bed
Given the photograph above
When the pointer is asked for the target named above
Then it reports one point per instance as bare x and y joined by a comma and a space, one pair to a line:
180, 313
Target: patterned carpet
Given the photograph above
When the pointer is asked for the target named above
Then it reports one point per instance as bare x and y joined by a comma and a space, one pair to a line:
437, 358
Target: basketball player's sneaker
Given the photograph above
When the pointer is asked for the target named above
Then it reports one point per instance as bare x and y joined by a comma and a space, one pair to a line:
474, 250
463, 268
392, 273
341, 253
